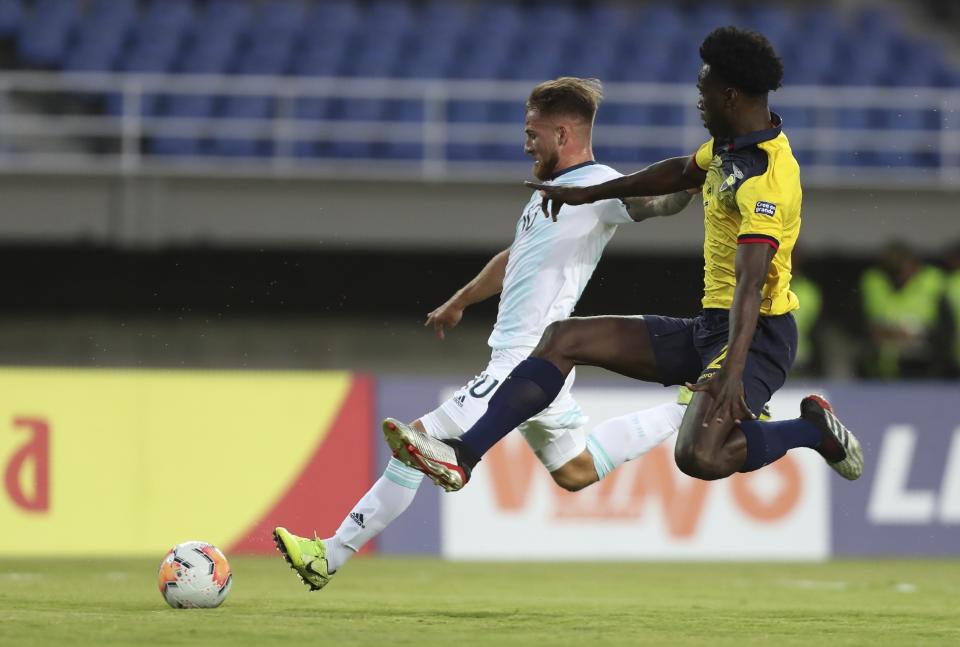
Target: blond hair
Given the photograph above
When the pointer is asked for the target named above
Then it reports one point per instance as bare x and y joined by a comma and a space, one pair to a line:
567, 96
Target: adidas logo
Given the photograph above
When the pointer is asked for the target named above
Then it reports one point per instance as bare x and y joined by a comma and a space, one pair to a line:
459, 400
357, 518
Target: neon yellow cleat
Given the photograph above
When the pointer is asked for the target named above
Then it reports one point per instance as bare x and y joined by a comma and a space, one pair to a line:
307, 557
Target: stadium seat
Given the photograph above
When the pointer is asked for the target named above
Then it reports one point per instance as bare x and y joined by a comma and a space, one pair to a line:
102, 35
175, 146
156, 40
11, 17
400, 151
46, 33
321, 55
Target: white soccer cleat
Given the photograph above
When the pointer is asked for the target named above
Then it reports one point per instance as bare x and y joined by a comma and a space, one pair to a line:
837, 439
433, 457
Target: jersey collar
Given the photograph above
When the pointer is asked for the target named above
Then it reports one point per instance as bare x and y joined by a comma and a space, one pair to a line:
756, 136
570, 169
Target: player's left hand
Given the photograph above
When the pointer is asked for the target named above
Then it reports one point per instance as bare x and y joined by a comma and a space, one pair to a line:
554, 197
727, 393
449, 315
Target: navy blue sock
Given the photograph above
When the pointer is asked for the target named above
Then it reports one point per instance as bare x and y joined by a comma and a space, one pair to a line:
529, 389
768, 441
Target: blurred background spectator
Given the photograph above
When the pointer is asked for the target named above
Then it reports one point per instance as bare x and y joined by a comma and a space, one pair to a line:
904, 305
953, 301
810, 295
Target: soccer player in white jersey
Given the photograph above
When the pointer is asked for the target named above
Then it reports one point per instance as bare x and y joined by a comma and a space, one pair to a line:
540, 278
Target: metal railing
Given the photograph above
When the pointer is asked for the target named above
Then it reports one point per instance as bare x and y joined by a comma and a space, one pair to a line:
60, 123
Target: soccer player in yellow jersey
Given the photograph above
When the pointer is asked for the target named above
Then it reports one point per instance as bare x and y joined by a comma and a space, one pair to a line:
739, 350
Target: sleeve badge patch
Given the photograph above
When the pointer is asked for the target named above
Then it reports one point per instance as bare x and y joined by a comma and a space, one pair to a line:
765, 208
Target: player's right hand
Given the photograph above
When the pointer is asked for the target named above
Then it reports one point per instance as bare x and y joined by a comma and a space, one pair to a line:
449, 314
554, 197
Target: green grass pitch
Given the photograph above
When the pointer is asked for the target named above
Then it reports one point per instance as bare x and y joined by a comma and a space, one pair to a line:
381, 601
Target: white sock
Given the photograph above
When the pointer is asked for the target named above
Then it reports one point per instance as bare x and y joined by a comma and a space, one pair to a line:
390, 495
618, 440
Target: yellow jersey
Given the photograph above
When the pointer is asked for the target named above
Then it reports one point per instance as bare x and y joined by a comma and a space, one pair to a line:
751, 196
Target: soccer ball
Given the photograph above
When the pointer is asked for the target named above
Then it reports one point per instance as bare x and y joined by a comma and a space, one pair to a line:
194, 575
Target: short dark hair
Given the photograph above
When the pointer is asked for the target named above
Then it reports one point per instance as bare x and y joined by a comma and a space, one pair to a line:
745, 59
569, 96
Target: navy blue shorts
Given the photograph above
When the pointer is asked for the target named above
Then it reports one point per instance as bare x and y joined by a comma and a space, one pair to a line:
684, 348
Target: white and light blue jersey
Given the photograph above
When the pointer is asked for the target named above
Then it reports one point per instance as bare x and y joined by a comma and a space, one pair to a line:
551, 263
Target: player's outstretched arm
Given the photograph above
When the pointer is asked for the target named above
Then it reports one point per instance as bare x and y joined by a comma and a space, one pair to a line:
483, 286
669, 176
644, 207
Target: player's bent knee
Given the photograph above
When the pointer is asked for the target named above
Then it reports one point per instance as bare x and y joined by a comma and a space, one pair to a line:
558, 340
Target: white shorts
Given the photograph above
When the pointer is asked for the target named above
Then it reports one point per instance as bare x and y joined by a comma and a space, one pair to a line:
556, 435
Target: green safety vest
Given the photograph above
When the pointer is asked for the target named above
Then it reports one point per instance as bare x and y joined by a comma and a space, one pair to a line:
811, 303
953, 299
915, 306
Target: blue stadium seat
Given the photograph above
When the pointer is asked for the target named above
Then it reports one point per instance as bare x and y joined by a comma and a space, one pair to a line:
430, 55
323, 56
332, 17
504, 152
796, 117
165, 18
627, 114
556, 18
404, 110
102, 35
11, 17
308, 108
468, 111
399, 151
265, 57
156, 40
644, 60
664, 20
280, 17
349, 150
705, 18
610, 19
769, 19
357, 109
305, 150
389, 16
617, 155
175, 146
376, 55
535, 61
507, 112
873, 23
46, 33
590, 59
464, 152
188, 105
441, 17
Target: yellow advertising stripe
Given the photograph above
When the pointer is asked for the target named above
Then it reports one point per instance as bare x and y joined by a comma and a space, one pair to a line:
142, 459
